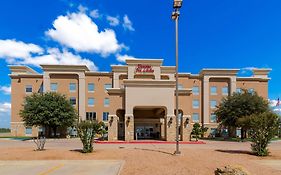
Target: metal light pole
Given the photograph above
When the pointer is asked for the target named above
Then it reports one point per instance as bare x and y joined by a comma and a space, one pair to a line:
175, 16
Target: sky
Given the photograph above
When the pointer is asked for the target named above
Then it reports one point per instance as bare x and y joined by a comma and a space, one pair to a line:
212, 34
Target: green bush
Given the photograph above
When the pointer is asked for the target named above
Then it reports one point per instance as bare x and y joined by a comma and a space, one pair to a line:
197, 130
87, 131
263, 128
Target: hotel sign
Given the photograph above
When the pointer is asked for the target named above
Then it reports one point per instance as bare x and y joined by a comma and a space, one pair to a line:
144, 68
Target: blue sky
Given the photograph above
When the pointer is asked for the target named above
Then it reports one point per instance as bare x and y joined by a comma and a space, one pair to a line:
213, 34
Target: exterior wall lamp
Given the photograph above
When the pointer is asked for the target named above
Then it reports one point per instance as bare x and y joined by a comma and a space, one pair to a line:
177, 3
186, 122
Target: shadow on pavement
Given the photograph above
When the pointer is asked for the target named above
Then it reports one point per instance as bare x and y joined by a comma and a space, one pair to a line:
152, 150
235, 151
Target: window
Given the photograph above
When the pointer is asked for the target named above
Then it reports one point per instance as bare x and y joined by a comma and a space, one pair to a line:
195, 90
73, 100
195, 104
239, 90
54, 87
224, 90
195, 117
180, 86
72, 87
91, 101
91, 116
213, 131
106, 102
105, 116
251, 90
28, 88
213, 104
213, 118
213, 90
107, 86
41, 89
28, 131
91, 87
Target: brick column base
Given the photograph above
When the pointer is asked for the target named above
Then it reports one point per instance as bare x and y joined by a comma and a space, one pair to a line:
129, 127
113, 127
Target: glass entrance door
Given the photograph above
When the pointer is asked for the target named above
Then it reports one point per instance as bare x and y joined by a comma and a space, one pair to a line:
144, 132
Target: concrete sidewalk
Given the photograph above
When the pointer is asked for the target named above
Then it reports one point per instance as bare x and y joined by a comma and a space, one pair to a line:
61, 167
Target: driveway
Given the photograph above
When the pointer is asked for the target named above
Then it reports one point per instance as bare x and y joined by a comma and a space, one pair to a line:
59, 167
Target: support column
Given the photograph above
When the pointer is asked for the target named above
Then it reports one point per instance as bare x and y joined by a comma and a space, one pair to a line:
232, 85
46, 82
162, 128
170, 128
186, 127
206, 96
129, 127
113, 127
116, 80
82, 96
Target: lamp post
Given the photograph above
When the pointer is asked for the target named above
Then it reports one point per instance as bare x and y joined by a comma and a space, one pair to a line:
175, 16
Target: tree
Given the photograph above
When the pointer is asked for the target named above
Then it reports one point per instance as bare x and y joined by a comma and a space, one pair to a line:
50, 109
263, 127
87, 131
240, 105
197, 130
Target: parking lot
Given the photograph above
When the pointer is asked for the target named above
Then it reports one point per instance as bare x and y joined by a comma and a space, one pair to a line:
59, 167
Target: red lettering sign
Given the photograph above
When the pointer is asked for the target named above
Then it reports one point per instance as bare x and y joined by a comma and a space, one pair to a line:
144, 68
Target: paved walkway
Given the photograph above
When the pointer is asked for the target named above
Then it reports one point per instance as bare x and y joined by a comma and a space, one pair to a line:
59, 167
275, 164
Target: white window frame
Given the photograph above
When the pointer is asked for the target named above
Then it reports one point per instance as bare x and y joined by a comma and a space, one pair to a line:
70, 88
196, 121
28, 87
195, 93
213, 93
195, 107
212, 121
211, 102
225, 93
93, 87
91, 105
106, 105
56, 87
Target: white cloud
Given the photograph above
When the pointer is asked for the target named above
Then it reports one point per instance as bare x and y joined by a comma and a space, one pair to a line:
5, 107
127, 23
5, 89
123, 58
55, 56
18, 52
78, 31
272, 103
113, 21
277, 109
82, 8
95, 13
10, 49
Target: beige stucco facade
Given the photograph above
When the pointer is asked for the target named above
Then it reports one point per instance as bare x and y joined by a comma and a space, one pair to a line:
136, 100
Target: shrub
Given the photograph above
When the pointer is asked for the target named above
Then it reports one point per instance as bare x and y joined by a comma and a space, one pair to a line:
263, 128
197, 130
87, 131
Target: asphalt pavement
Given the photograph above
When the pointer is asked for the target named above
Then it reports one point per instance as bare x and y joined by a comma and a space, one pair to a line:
61, 167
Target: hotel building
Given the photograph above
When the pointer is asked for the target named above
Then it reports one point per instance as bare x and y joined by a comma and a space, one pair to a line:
136, 100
